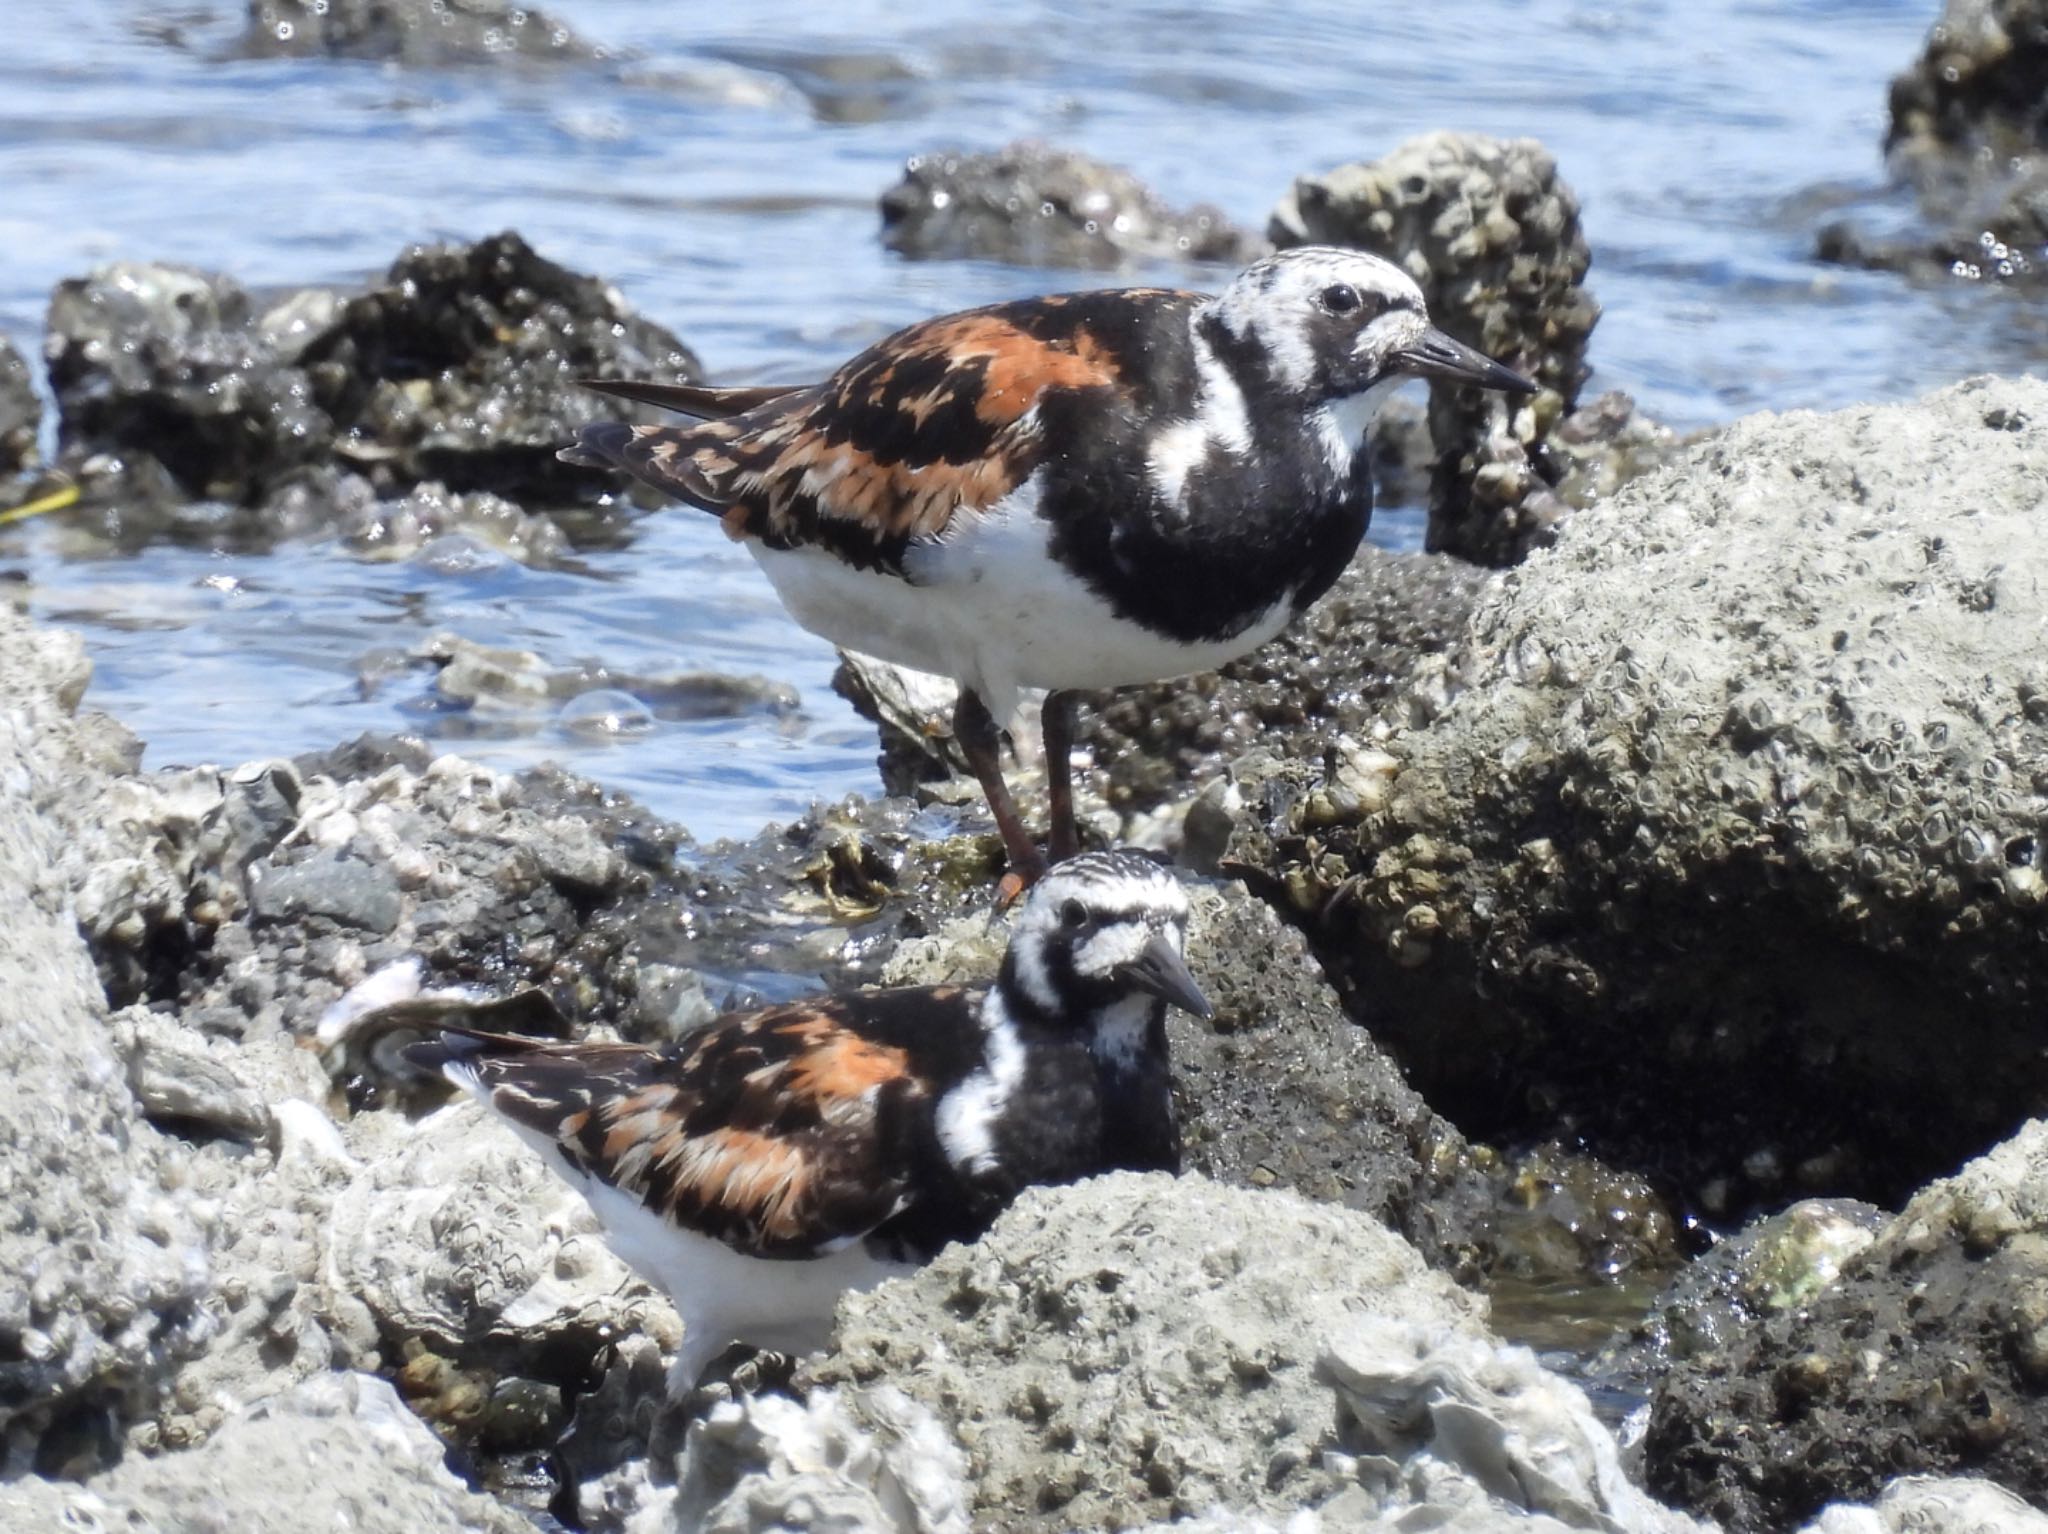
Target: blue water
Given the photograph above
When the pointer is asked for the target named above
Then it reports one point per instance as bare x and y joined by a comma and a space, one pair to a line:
726, 183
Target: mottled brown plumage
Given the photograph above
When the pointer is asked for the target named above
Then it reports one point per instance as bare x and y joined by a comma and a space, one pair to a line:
767, 1131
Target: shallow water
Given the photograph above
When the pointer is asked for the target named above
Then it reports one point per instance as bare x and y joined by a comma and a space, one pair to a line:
725, 180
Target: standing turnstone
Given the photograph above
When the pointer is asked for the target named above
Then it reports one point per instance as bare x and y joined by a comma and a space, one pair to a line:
768, 1163
1083, 490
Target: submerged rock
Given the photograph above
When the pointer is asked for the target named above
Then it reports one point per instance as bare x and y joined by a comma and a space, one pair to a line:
1976, 84
1929, 1353
1969, 122
1491, 232
421, 33
459, 368
1030, 204
1731, 850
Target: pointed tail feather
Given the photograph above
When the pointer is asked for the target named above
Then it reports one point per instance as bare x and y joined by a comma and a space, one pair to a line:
598, 447
699, 400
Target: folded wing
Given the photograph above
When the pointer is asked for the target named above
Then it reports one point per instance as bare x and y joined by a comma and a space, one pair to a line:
779, 1134
940, 420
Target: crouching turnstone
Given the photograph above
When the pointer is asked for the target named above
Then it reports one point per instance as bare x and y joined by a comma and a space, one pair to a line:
1083, 490
768, 1163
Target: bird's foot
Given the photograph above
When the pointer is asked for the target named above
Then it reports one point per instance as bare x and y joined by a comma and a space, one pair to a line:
1019, 877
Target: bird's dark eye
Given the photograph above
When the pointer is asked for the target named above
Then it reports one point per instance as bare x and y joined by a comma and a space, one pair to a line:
1073, 914
1340, 298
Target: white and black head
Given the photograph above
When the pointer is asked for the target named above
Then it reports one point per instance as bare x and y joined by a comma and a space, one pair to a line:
1325, 324
1099, 930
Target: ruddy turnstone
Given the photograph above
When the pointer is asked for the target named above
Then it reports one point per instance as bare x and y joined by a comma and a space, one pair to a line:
1082, 490
763, 1166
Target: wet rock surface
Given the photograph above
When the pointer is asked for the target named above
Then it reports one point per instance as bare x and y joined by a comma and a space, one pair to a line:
21, 412
1730, 849
1491, 232
1928, 1354
1390, 632
1967, 130
459, 367
1032, 204
426, 33
1771, 1266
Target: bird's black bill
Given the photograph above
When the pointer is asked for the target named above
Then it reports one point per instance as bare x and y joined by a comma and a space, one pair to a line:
1163, 972
1435, 355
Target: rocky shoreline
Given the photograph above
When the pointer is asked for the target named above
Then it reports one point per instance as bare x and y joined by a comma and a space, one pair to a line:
234, 1211
1626, 943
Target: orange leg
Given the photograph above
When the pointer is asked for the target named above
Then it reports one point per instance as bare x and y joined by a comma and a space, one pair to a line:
1058, 718
981, 744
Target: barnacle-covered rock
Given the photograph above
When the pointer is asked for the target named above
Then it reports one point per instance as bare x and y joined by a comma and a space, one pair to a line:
339, 1451
458, 1235
423, 33
459, 367
1171, 1326
1976, 84
1034, 205
1491, 232
1731, 849
1927, 1354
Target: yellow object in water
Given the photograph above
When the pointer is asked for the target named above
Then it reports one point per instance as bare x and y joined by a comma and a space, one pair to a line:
56, 500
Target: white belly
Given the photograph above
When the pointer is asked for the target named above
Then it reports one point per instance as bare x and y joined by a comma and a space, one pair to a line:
991, 609
723, 1296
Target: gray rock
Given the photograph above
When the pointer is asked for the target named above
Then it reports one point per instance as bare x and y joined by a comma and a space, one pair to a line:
419, 33
177, 1081
1931, 1504
1136, 1347
1491, 232
1435, 1420
459, 368
107, 1259
342, 889
1927, 1355
770, 1463
21, 412
1731, 848
338, 1451
455, 1234
1033, 205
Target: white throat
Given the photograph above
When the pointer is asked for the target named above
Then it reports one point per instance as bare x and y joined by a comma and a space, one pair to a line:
1341, 424
1120, 1030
